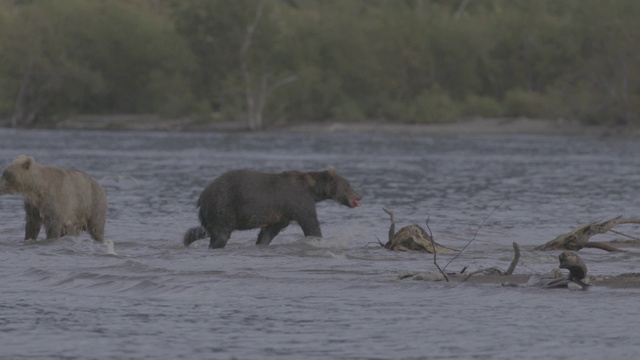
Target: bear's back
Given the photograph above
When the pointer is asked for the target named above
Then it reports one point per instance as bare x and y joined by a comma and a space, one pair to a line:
236, 188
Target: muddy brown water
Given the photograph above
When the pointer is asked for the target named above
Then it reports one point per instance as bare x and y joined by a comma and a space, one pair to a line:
332, 298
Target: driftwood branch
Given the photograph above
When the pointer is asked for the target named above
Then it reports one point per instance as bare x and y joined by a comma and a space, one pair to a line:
412, 238
496, 270
392, 227
474, 235
435, 261
488, 271
516, 258
579, 237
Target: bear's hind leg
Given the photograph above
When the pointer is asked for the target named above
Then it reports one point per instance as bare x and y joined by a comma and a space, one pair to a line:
97, 234
194, 234
268, 233
96, 231
54, 229
218, 239
33, 223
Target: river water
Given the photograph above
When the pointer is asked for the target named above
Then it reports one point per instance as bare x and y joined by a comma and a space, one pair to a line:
332, 298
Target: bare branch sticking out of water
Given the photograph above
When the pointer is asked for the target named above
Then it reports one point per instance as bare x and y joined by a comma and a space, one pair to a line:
379, 242
516, 258
474, 235
498, 271
435, 262
625, 235
392, 228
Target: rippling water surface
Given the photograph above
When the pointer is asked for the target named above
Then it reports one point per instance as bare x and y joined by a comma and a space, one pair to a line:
332, 298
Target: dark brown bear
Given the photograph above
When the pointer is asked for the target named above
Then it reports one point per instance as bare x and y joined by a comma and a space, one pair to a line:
245, 199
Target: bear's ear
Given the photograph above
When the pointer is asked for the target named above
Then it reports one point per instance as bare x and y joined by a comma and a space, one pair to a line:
25, 161
332, 170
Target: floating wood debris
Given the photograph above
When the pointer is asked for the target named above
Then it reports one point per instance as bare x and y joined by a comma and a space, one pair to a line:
579, 237
413, 238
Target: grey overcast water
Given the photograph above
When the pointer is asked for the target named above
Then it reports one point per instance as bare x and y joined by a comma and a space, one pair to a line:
332, 298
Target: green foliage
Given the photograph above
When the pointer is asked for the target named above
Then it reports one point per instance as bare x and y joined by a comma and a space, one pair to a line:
214, 31
65, 56
483, 106
414, 61
520, 102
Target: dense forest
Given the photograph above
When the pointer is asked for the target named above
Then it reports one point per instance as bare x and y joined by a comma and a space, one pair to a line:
266, 63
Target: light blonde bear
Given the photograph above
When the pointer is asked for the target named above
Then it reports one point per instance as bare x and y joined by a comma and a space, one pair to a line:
65, 201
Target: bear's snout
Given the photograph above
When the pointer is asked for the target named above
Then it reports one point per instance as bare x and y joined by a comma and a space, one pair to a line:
353, 199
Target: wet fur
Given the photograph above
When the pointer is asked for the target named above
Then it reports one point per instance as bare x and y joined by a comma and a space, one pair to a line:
64, 201
246, 199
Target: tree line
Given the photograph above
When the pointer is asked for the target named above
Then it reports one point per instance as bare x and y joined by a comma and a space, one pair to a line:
267, 63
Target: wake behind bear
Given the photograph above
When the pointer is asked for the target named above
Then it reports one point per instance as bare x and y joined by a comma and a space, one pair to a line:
246, 199
65, 201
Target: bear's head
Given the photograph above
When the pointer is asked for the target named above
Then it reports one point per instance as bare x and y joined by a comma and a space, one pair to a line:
18, 176
335, 187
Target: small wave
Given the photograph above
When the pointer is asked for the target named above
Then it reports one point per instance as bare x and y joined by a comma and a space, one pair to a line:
334, 255
139, 267
332, 248
73, 246
539, 257
324, 254
85, 279
332, 243
147, 284
153, 287
38, 274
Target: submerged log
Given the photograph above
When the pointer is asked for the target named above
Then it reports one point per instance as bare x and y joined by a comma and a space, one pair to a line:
579, 237
413, 238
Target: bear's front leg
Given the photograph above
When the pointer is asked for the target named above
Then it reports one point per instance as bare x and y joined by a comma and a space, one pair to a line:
310, 226
268, 233
33, 221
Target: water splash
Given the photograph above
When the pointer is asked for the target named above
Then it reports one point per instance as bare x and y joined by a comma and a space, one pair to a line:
110, 247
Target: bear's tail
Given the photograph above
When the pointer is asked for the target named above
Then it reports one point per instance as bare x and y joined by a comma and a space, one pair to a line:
194, 234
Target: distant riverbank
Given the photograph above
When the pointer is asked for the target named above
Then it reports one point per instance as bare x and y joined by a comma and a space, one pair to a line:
475, 126
461, 127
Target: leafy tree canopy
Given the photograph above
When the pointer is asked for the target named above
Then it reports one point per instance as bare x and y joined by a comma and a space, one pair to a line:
286, 61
